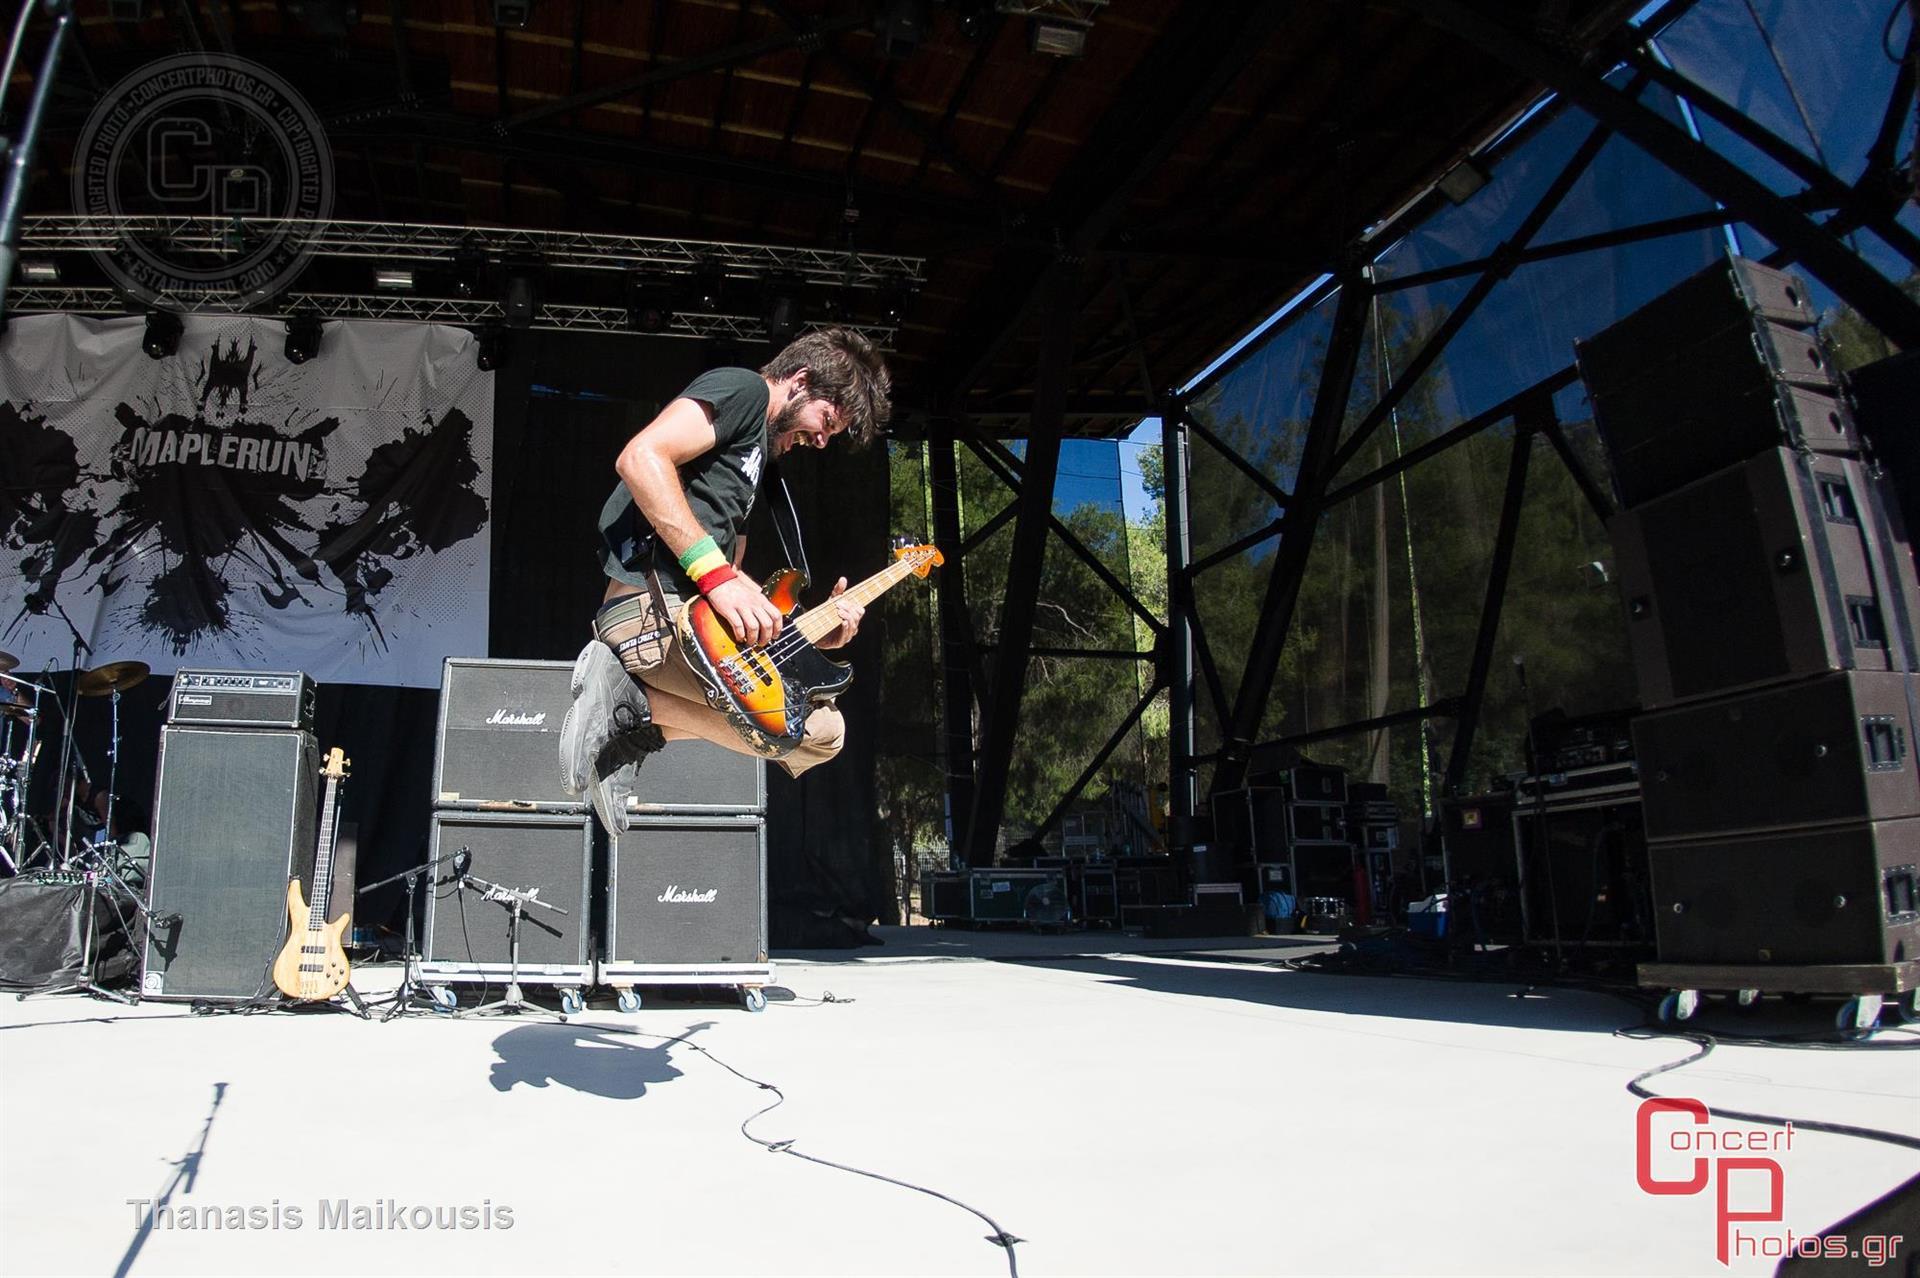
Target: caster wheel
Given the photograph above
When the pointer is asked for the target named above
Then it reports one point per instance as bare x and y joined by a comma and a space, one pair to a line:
444, 999
571, 1004
1747, 998
1679, 1006
753, 999
1907, 1007
629, 1000
1857, 1016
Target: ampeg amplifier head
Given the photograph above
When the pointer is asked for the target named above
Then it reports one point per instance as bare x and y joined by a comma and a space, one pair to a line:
242, 698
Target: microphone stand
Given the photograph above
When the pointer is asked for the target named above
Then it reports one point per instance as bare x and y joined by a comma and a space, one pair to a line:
514, 899
63, 801
1539, 822
403, 999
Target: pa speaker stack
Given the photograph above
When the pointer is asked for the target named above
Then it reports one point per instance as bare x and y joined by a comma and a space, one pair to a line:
1771, 602
234, 821
679, 899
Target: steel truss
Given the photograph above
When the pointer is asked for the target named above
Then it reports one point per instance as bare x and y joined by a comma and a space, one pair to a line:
469, 312
403, 243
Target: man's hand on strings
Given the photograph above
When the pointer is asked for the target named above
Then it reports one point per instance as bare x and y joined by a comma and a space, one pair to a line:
850, 614
749, 614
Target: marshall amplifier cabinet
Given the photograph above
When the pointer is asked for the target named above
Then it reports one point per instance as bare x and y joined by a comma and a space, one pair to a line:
234, 821
686, 895
242, 699
467, 935
1838, 747
694, 777
498, 744
1840, 894
1771, 569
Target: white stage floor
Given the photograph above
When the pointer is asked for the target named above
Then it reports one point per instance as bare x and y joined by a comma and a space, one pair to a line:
1122, 1107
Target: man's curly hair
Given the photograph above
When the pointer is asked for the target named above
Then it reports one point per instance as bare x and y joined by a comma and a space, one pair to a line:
844, 369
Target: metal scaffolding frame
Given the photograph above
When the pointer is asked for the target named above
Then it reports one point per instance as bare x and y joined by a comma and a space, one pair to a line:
1184, 663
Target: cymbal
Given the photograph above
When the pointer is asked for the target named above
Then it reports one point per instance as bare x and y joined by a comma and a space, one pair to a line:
116, 676
8, 662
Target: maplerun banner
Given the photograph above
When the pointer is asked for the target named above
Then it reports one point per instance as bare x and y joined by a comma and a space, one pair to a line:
222, 506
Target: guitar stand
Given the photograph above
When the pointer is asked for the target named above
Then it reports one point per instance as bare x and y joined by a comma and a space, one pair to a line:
513, 1002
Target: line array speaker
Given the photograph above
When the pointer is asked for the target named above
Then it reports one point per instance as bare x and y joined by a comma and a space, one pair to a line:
234, 813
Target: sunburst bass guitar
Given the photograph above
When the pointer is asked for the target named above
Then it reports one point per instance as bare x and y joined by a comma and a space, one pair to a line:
767, 691
313, 966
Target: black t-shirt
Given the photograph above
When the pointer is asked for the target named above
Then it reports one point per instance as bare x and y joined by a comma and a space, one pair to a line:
720, 484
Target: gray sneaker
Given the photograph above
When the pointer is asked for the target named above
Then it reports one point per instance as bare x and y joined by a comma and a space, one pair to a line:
607, 703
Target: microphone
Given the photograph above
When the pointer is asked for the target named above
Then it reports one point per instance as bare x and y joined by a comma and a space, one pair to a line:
462, 860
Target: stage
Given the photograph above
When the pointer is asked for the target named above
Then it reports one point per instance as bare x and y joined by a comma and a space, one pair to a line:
1118, 1105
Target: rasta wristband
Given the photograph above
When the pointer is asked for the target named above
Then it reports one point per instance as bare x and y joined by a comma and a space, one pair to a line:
706, 581
701, 558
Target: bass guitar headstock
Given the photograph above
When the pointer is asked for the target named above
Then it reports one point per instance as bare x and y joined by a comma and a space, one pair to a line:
336, 765
922, 559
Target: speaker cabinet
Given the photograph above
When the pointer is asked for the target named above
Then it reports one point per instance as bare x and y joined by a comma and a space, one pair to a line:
467, 935
1721, 367
498, 742
233, 822
1769, 570
1582, 867
1839, 894
686, 890
1834, 748
694, 777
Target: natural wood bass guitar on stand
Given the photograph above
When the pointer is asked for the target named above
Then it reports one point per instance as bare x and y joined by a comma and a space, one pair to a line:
768, 690
313, 966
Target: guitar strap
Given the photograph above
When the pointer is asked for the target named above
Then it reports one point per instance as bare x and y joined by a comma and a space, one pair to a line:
786, 522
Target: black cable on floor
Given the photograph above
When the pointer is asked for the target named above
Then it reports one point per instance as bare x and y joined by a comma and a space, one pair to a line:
1707, 1042
999, 1237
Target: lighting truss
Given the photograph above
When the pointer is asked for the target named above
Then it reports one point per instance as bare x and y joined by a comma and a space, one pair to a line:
1078, 12
416, 242
468, 312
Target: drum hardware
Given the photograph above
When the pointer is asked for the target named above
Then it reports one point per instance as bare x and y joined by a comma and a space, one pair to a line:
111, 680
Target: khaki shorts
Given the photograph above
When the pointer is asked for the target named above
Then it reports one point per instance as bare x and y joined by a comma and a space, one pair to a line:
639, 628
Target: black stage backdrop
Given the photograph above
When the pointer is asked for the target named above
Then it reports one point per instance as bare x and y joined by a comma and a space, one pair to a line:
564, 404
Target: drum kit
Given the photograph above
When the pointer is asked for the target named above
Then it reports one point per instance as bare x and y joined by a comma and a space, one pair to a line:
82, 810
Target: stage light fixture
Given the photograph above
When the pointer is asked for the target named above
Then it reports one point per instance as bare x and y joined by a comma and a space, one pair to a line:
303, 338
395, 278
494, 348
894, 299
162, 337
650, 308
520, 296
39, 272
900, 25
709, 288
783, 313
512, 13
1462, 181
1059, 39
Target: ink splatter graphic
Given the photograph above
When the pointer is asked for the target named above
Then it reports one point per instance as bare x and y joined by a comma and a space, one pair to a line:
221, 501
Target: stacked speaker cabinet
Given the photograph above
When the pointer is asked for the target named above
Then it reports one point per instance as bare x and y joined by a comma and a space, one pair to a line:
686, 885
497, 798
234, 821
1771, 602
